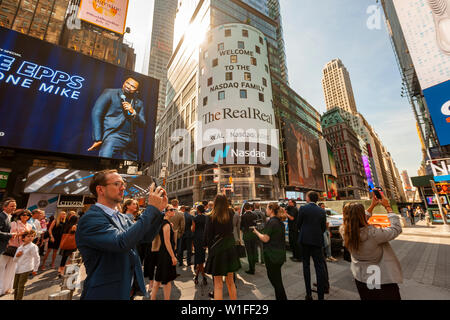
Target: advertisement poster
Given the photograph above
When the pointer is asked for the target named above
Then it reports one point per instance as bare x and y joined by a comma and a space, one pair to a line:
65, 102
46, 202
303, 157
425, 25
108, 14
76, 182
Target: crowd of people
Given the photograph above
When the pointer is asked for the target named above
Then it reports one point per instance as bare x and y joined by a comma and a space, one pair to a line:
121, 244
25, 237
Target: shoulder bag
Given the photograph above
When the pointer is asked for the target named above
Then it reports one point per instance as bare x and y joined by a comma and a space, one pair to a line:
68, 242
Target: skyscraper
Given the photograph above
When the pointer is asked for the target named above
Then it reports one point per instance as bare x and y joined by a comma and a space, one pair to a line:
161, 46
337, 87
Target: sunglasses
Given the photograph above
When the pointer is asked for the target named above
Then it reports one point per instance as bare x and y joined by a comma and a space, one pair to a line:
170, 209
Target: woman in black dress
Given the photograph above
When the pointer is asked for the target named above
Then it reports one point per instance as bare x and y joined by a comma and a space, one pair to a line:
69, 227
55, 232
273, 238
223, 259
198, 228
165, 269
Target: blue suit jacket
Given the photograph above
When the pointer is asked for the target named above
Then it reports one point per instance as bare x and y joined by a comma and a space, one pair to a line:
108, 115
5, 228
109, 253
311, 223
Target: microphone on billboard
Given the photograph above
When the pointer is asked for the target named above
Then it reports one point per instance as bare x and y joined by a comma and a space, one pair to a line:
123, 97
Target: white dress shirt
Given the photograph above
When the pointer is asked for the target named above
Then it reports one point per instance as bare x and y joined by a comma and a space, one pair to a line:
29, 260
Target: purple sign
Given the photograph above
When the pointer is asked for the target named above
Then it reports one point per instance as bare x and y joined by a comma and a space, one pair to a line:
368, 171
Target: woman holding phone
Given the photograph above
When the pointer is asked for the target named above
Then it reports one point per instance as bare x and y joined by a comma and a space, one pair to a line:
371, 253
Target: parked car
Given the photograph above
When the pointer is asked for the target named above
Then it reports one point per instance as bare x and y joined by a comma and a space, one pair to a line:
335, 220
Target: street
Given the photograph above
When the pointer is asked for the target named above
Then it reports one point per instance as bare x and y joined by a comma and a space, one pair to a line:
424, 253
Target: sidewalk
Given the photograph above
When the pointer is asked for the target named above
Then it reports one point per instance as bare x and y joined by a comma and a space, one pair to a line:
424, 254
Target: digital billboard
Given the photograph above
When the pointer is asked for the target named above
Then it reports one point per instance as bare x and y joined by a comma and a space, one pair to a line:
55, 99
108, 14
76, 182
425, 25
303, 158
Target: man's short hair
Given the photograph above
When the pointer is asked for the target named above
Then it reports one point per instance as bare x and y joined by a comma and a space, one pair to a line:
247, 206
174, 202
36, 211
99, 179
205, 203
182, 208
313, 196
293, 201
8, 201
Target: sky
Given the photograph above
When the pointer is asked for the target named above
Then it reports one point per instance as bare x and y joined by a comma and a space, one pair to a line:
316, 32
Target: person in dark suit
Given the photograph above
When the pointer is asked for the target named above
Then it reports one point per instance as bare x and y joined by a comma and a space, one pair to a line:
248, 220
311, 225
115, 116
9, 206
186, 239
107, 240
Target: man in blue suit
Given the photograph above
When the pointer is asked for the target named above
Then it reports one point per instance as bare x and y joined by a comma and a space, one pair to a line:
311, 222
115, 116
107, 240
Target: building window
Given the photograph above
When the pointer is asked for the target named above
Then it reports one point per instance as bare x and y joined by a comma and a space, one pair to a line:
241, 45
253, 61
229, 76
261, 40
210, 81
264, 82
227, 32
245, 33
257, 49
267, 68
221, 95
233, 58
220, 46
261, 97
215, 62
243, 94
205, 101
247, 76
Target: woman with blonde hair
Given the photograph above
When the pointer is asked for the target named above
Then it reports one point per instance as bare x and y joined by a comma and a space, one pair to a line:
274, 247
223, 259
55, 232
370, 251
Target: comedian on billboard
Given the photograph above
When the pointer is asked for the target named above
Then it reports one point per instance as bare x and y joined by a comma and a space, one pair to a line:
108, 14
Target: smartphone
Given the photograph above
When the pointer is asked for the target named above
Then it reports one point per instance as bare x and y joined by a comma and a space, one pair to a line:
377, 193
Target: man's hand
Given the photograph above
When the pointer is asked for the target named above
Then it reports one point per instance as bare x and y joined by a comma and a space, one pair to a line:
19, 254
158, 197
127, 107
95, 146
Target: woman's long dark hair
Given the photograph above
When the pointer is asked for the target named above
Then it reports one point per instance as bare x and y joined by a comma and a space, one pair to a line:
221, 211
127, 203
354, 219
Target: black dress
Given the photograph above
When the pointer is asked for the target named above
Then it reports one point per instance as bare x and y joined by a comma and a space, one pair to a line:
199, 244
57, 233
223, 257
165, 271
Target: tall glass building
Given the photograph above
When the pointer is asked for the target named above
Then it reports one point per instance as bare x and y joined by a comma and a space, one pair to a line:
219, 64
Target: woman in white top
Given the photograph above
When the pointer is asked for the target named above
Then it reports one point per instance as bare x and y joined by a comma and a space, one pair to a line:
374, 265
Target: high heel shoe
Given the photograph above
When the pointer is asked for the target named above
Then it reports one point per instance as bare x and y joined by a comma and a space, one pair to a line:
196, 280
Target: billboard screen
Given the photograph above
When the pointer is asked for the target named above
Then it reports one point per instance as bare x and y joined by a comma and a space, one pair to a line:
303, 157
425, 27
108, 14
54, 99
235, 99
76, 182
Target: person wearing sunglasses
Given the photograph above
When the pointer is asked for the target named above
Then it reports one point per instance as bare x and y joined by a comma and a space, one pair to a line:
18, 227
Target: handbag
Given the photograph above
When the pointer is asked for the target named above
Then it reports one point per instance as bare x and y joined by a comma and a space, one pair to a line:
68, 242
10, 251
241, 251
